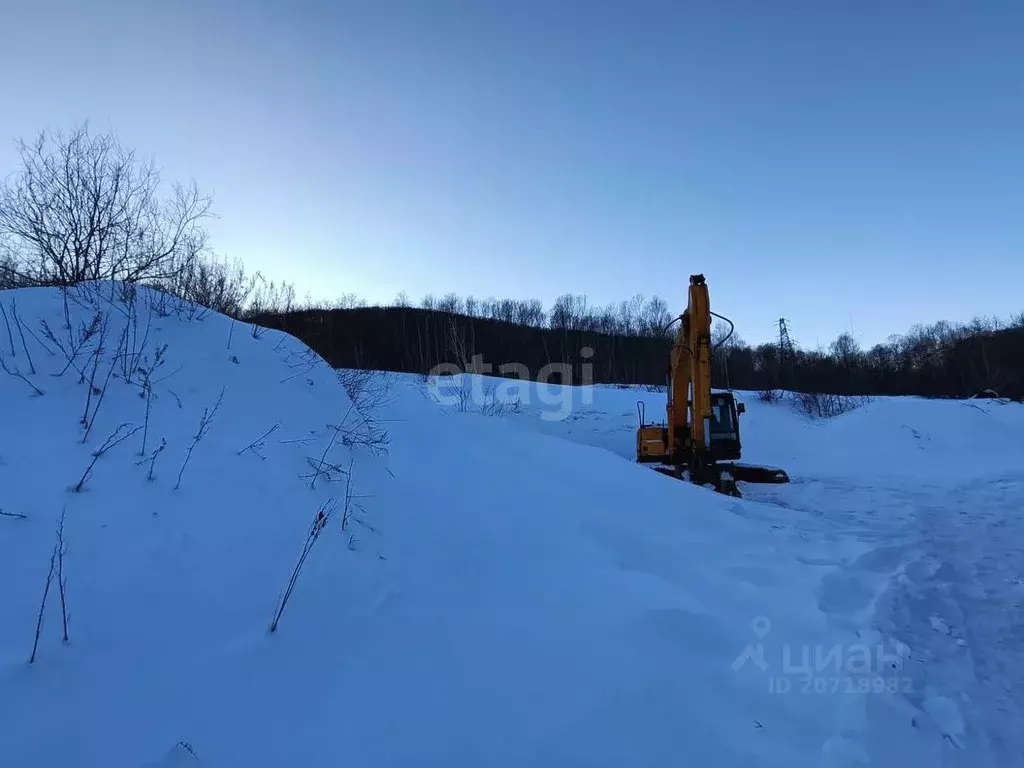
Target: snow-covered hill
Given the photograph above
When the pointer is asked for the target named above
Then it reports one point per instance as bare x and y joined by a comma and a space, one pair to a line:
496, 594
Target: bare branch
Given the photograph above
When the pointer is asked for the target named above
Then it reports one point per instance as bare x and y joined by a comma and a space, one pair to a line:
96, 355
116, 437
320, 520
42, 606
259, 442
17, 375
10, 337
21, 333
151, 459
62, 582
334, 436
90, 420
204, 427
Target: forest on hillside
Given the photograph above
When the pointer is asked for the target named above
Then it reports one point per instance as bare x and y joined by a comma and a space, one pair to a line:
82, 207
629, 342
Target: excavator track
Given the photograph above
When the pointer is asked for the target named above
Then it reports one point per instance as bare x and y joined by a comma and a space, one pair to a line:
723, 477
749, 473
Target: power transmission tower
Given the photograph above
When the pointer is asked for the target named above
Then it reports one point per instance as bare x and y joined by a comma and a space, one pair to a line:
787, 357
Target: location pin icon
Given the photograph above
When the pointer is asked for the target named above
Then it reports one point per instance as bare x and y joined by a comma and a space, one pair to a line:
761, 626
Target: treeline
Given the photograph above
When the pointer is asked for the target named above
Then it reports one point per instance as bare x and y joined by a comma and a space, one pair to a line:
629, 343
637, 316
573, 342
939, 360
418, 340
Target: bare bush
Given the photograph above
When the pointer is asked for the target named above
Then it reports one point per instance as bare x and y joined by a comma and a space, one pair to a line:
83, 207
368, 390
202, 284
492, 406
269, 298
820, 405
769, 395
460, 389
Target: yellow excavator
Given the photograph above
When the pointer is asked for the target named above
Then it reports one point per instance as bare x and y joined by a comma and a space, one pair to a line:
700, 438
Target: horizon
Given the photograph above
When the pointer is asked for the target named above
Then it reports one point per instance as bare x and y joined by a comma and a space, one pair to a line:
850, 169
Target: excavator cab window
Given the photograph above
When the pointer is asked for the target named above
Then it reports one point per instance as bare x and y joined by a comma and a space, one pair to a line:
723, 417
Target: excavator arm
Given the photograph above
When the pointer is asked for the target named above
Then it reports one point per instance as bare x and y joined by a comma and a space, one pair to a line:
688, 403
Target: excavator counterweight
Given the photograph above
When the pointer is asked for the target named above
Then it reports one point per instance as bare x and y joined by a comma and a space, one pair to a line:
701, 434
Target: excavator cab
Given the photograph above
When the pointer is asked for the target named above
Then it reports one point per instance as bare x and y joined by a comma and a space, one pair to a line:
722, 432
723, 428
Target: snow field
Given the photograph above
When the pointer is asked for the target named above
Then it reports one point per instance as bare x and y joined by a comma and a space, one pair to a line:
508, 590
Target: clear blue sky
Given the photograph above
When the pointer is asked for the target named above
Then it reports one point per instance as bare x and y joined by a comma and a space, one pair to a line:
850, 165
